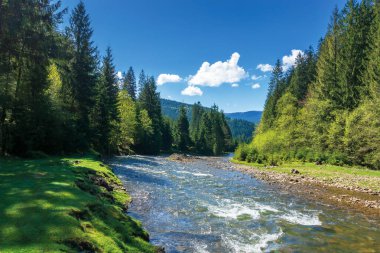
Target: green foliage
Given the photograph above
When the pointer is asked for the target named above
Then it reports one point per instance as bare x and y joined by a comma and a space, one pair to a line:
83, 71
209, 130
241, 129
326, 108
128, 128
182, 131
104, 112
149, 100
129, 83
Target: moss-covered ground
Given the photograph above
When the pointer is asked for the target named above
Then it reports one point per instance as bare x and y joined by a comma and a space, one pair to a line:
65, 205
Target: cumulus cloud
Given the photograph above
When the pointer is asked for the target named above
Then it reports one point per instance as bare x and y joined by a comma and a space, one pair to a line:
256, 86
265, 67
289, 61
234, 85
191, 90
168, 78
119, 75
215, 74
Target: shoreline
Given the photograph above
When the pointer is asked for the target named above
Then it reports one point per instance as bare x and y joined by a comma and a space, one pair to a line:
331, 193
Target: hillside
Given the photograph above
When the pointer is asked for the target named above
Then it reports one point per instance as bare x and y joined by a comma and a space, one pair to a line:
251, 116
241, 128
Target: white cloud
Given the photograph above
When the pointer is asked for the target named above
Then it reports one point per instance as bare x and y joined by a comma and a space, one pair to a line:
256, 86
119, 75
191, 90
168, 78
265, 67
289, 61
215, 74
254, 77
234, 85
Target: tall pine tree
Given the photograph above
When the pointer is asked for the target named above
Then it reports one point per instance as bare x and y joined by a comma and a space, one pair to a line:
84, 72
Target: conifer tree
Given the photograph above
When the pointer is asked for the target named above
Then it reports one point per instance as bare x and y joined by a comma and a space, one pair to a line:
24, 68
149, 100
84, 71
104, 113
196, 116
183, 136
129, 83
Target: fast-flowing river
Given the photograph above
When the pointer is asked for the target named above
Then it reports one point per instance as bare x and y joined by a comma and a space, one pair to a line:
198, 207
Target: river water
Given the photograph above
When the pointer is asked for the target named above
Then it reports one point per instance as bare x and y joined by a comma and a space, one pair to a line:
198, 207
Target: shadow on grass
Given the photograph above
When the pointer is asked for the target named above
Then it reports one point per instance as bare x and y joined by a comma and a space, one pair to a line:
40, 200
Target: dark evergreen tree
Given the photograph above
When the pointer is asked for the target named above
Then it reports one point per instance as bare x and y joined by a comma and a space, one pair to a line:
183, 135
196, 116
104, 112
303, 75
27, 43
276, 85
149, 100
142, 81
167, 134
84, 72
129, 83
205, 141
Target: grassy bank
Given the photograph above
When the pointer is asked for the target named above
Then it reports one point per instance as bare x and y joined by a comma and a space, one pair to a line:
65, 205
345, 176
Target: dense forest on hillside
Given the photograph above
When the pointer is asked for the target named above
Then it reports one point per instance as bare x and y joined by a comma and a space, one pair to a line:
241, 129
57, 95
250, 116
327, 107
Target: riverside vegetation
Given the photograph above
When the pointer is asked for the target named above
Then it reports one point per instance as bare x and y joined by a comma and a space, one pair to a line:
326, 109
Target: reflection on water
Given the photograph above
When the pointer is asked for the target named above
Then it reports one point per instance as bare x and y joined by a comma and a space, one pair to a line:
194, 207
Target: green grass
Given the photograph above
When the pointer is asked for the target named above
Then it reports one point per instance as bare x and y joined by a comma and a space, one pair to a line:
57, 205
349, 176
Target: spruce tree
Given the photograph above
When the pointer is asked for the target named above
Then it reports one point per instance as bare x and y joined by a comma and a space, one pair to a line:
84, 71
196, 115
149, 100
129, 83
27, 44
104, 114
274, 92
183, 130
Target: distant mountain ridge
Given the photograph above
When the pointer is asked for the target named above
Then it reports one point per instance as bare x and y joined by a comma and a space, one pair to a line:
242, 124
251, 116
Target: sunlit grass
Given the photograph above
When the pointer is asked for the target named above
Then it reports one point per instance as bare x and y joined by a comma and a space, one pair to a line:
350, 176
38, 198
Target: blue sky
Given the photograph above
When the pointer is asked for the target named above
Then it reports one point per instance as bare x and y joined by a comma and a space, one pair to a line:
176, 37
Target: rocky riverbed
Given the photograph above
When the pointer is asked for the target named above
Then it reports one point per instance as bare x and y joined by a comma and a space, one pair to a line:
335, 192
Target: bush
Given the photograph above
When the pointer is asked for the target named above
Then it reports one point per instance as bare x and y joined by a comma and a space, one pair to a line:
337, 159
241, 152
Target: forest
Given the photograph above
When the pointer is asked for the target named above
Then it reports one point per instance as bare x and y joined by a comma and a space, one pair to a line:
241, 130
326, 109
58, 95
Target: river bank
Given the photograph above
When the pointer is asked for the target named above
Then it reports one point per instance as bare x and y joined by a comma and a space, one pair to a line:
200, 204
356, 189
66, 204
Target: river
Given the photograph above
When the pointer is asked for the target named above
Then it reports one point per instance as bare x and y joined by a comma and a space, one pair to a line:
198, 207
